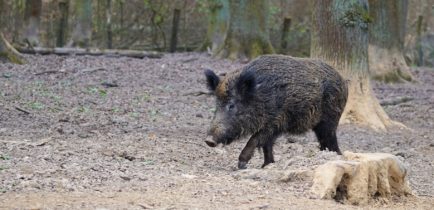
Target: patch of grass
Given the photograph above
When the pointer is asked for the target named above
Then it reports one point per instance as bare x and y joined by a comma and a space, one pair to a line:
146, 96
94, 90
56, 98
83, 109
134, 114
36, 105
115, 110
148, 162
153, 114
7, 75
4, 157
310, 153
102, 93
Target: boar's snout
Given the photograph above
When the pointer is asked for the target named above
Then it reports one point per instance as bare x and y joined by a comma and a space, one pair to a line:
210, 141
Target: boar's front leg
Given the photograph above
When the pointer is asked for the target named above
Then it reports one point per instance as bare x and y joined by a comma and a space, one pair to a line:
264, 138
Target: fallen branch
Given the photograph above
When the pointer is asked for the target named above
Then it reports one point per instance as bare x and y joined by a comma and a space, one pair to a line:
109, 84
49, 72
93, 69
22, 110
90, 70
93, 52
396, 101
198, 93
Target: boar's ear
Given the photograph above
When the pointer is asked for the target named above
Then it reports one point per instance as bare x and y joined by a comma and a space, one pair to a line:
246, 85
212, 79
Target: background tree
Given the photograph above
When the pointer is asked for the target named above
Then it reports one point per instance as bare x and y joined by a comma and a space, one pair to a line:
82, 26
218, 22
109, 24
32, 19
63, 23
419, 40
386, 40
340, 37
247, 35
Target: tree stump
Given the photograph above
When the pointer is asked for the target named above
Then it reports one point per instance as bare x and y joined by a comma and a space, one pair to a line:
361, 177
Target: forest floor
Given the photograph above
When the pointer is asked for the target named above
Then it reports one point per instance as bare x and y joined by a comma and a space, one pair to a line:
80, 132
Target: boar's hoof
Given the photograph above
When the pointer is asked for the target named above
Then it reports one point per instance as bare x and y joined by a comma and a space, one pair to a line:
266, 163
211, 143
242, 165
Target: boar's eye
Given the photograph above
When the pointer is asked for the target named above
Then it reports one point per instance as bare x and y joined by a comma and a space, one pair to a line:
230, 106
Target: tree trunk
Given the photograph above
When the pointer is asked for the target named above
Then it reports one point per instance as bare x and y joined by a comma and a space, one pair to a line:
248, 34
174, 34
218, 23
82, 29
340, 38
285, 31
386, 40
32, 18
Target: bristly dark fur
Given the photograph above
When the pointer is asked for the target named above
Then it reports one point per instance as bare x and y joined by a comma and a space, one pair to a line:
284, 95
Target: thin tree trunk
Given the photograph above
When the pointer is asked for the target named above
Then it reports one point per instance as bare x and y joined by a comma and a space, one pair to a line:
419, 59
32, 18
285, 31
340, 38
121, 8
386, 40
248, 34
109, 24
63, 23
175, 26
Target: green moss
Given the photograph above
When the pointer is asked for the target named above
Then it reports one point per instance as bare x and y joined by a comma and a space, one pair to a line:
352, 14
12, 58
256, 49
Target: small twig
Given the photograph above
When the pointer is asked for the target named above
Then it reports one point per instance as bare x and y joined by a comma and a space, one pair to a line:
396, 101
189, 142
145, 206
93, 69
49, 72
22, 110
189, 60
89, 70
197, 93
109, 84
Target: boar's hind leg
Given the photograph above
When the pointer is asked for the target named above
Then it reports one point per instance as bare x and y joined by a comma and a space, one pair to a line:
259, 139
326, 135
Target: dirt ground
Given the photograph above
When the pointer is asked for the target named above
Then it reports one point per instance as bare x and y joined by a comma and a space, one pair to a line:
122, 133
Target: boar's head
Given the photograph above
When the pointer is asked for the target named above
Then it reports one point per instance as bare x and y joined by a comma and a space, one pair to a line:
233, 115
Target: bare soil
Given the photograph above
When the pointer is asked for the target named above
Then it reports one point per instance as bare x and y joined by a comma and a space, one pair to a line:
82, 132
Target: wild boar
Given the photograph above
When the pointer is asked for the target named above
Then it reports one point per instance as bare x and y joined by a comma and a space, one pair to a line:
273, 95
